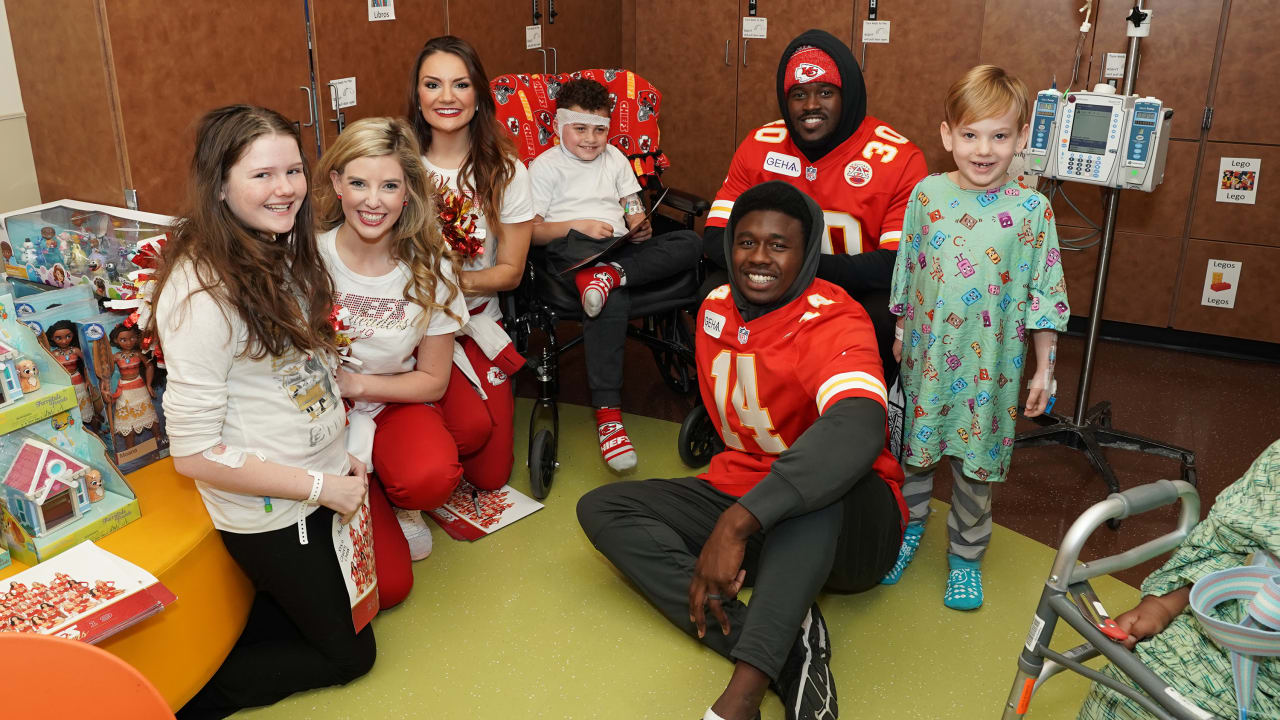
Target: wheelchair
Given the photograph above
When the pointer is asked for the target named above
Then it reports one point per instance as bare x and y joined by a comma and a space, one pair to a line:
1067, 596
526, 107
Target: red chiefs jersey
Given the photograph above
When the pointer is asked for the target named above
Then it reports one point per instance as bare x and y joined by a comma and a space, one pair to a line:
764, 382
862, 185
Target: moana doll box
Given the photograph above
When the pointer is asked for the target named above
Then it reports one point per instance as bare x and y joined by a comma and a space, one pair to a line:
126, 388
69, 243
58, 486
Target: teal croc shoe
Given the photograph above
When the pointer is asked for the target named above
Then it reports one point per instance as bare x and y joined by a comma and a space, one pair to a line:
964, 584
910, 544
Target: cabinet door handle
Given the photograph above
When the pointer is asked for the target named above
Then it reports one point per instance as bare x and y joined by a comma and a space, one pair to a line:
726, 52
744, 51
311, 107
555, 61
544, 59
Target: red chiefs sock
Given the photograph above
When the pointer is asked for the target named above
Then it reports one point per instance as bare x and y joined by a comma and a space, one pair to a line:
615, 446
594, 284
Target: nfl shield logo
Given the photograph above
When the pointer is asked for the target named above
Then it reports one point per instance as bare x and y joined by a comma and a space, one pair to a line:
811, 173
743, 332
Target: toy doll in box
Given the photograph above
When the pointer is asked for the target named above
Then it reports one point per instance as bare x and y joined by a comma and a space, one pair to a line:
68, 243
65, 348
133, 400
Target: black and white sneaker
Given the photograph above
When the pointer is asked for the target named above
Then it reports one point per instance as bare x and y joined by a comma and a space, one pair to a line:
807, 689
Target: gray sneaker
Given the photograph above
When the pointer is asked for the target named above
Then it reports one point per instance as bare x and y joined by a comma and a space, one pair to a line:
805, 684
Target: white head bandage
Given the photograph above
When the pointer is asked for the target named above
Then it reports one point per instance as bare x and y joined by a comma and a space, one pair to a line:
573, 117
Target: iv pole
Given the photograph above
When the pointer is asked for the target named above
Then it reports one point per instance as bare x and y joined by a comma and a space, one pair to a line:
1090, 430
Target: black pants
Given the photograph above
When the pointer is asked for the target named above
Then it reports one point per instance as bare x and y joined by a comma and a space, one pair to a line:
654, 530
299, 634
656, 259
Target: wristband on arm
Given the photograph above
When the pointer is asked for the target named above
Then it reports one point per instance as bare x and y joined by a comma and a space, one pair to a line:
317, 486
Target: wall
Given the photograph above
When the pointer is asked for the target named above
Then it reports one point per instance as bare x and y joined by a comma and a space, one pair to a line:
18, 187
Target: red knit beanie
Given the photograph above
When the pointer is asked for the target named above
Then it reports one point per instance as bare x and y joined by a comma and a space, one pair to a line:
809, 64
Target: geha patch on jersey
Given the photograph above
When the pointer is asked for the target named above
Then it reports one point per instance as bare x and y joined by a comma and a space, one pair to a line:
712, 324
776, 162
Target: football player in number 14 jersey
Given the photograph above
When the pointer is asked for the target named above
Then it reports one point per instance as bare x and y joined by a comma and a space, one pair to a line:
804, 497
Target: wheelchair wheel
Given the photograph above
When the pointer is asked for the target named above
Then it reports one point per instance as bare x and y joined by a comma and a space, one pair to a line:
677, 370
698, 440
542, 463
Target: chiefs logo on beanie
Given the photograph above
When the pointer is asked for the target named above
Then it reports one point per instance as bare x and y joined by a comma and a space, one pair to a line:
809, 64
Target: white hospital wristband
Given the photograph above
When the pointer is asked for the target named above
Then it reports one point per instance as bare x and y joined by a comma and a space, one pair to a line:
317, 486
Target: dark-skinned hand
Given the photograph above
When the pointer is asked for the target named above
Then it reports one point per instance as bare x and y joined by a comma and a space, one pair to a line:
718, 575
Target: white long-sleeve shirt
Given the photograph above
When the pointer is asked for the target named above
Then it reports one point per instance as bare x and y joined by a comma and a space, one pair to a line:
285, 408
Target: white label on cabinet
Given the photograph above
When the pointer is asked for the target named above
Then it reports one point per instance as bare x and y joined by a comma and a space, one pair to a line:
532, 37
1220, 283
342, 93
382, 10
755, 28
1238, 180
875, 31
1115, 66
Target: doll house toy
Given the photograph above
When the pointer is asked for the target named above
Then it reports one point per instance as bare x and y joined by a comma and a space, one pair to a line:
10, 387
58, 485
44, 488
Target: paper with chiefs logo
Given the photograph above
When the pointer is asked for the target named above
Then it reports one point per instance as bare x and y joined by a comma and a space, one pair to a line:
353, 543
85, 593
497, 509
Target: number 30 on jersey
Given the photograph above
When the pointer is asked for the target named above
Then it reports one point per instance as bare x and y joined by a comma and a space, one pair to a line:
745, 400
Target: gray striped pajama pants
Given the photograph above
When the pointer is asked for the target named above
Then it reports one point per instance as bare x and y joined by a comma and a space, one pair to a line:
968, 523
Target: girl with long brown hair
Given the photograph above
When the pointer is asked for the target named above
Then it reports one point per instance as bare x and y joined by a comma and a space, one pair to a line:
242, 312
395, 277
473, 161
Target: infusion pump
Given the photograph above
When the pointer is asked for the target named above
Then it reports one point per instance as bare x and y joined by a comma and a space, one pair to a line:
1099, 138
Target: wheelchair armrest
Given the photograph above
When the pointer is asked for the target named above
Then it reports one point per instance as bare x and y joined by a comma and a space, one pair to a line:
686, 203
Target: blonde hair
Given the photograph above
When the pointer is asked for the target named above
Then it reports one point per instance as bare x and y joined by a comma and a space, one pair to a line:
986, 91
416, 239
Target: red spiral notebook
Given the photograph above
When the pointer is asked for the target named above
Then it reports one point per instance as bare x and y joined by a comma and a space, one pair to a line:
85, 593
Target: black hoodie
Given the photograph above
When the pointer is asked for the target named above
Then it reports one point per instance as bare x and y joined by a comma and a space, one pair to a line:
838, 449
853, 92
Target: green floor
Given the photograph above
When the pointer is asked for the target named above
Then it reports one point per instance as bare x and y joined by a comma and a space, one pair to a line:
533, 623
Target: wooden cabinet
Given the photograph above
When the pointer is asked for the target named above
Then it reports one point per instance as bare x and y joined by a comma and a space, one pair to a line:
585, 34
111, 105
119, 110
379, 55
495, 28
1246, 95
697, 77
716, 85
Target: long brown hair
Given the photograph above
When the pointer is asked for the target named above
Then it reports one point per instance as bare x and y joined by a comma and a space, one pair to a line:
263, 278
417, 241
490, 163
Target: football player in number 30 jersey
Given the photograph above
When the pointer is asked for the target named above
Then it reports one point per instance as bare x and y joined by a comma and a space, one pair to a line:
804, 497
858, 169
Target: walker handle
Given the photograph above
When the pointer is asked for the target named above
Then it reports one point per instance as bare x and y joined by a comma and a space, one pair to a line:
1136, 500
1146, 497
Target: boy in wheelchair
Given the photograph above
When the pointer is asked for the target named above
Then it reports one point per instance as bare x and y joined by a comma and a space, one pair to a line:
585, 195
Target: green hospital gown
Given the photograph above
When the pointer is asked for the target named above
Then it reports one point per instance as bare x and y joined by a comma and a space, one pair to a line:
976, 273
1243, 520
